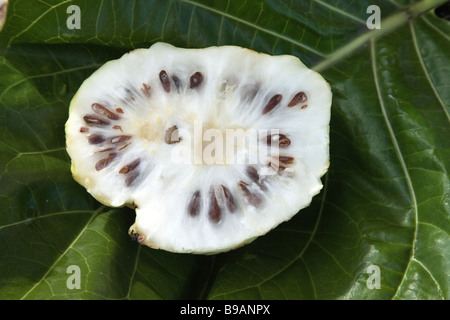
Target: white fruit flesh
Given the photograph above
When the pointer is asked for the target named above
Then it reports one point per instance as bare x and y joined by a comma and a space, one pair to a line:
232, 95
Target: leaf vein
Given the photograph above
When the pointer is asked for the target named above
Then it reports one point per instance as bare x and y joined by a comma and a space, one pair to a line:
254, 26
400, 159
425, 71
63, 253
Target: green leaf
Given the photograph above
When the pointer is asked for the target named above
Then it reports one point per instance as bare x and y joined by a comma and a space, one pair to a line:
383, 216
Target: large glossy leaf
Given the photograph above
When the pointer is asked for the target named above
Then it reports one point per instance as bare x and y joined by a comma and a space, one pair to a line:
383, 216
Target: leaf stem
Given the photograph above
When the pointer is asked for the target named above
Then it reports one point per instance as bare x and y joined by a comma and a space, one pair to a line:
388, 25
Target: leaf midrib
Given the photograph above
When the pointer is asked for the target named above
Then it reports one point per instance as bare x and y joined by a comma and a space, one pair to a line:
401, 160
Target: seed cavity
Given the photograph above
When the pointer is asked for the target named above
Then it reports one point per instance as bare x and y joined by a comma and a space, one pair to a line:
118, 127
249, 92
93, 119
195, 204
229, 200
119, 110
281, 139
120, 139
103, 111
177, 82
273, 102
96, 138
300, 97
105, 150
103, 163
131, 178
121, 148
252, 199
214, 209
172, 136
275, 166
146, 90
252, 173
128, 94
130, 167
165, 81
196, 80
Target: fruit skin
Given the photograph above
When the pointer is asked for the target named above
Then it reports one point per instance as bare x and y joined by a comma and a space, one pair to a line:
144, 65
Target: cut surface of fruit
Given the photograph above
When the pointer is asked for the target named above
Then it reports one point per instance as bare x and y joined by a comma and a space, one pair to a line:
213, 147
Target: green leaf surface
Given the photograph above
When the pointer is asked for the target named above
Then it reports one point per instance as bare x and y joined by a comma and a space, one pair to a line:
385, 206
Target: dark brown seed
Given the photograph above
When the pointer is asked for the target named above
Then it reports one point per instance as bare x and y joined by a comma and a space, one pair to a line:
273, 102
103, 111
146, 89
283, 141
84, 129
214, 209
286, 159
252, 172
171, 135
195, 204
96, 139
119, 110
130, 167
253, 199
103, 163
304, 106
229, 199
95, 120
298, 98
196, 80
165, 81
120, 139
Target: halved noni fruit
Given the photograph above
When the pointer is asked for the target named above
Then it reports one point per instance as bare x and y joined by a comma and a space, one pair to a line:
213, 147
